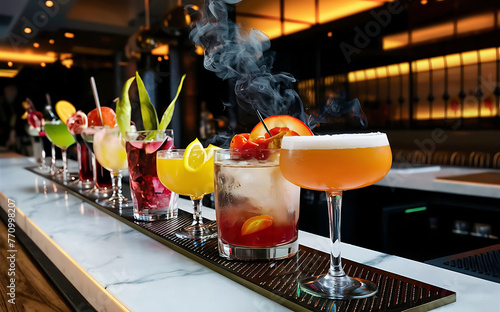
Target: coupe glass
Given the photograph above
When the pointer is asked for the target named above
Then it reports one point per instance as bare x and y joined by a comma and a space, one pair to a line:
336, 163
109, 150
175, 177
58, 133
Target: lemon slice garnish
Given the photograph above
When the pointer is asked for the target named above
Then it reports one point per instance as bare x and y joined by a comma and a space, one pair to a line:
194, 156
64, 110
210, 150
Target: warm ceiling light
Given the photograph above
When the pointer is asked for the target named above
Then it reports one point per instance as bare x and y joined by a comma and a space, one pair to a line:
26, 57
69, 35
36, 45
43, 64
423, 2
27, 30
8, 73
51, 41
166, 57
160, 58
10, 64
160, 50
330, 34
49, 3
199, 50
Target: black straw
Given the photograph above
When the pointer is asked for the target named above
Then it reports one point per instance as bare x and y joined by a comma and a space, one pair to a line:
263, 123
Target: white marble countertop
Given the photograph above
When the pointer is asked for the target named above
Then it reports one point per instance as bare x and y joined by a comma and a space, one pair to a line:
117, 268
424, 179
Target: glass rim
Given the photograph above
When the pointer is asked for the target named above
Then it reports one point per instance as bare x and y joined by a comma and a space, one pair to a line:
161, 154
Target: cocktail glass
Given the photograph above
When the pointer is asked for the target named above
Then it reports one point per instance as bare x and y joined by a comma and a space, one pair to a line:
336, 163
103, 183
85, 164
174, 176
152, 200
257, 209
58, 133
109, 150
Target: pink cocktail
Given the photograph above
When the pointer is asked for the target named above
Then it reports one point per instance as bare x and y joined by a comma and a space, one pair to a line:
152, 200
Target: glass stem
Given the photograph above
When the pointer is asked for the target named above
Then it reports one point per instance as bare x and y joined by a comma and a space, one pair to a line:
116, 180
197, 218
64, 156
53, 158
42, 154
334, 205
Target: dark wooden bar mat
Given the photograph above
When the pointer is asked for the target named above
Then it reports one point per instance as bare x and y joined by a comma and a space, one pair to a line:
278, 280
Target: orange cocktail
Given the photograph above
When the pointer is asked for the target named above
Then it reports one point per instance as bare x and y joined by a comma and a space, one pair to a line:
336, 163
337, 169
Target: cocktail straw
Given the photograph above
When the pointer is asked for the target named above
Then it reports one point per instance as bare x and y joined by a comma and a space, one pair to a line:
96, 97
263, 123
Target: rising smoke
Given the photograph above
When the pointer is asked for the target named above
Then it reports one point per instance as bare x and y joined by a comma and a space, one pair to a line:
234, 53
243, 56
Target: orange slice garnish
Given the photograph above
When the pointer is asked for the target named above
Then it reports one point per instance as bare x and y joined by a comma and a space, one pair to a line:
256, 224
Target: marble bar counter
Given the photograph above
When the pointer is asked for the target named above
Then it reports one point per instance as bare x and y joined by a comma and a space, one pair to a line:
427, 178
117, 268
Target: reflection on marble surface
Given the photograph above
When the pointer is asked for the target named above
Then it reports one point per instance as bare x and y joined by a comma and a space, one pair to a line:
117, 267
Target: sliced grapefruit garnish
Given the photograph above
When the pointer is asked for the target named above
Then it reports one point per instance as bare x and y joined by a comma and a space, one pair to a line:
108, 117
256, 224
285, 121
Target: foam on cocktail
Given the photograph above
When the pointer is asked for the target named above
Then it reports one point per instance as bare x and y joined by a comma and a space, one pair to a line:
336, 141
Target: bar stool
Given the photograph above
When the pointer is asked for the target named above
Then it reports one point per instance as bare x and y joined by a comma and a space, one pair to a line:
458, 159
401, 155
496, 160
479, 159
440, 158
418, 157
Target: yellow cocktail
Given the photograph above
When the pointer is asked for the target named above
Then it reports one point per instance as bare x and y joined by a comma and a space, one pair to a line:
189, 172
110, 152
335, 163
175, 177
109, 149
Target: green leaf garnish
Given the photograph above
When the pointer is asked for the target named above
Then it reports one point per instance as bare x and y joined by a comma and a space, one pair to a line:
123, 108
148, 111
169, 112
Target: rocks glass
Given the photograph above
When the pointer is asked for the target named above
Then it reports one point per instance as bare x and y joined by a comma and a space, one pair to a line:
152, 200
257, 209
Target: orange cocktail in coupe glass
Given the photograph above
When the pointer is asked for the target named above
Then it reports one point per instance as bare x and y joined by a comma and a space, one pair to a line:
336, 163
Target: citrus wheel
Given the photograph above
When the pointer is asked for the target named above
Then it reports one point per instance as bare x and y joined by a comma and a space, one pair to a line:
64, 110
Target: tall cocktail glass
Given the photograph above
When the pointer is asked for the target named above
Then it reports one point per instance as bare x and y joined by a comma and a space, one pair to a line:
173, 175
85, 163
152, 200
58, 133
336, 163
109, 150
103, 183
257, 209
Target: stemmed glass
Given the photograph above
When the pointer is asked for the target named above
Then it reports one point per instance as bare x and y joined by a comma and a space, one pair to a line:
109, 150
336, 163
195, 184
58, 134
